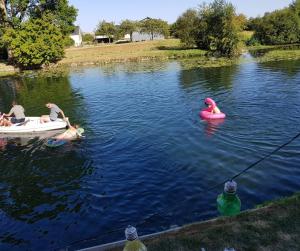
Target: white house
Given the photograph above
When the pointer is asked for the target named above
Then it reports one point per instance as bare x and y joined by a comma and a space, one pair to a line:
77, 36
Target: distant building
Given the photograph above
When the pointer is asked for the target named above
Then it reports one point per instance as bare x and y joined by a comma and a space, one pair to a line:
77, 36
138, 36
104, 39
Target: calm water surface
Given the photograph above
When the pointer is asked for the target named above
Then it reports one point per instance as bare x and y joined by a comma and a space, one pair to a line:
147, 159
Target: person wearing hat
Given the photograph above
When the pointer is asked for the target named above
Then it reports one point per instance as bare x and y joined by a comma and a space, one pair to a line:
73, 132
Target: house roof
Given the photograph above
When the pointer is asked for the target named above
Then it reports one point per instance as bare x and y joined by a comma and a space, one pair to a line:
76, 31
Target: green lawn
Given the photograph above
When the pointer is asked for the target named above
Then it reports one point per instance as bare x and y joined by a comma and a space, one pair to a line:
136, 51
273, 227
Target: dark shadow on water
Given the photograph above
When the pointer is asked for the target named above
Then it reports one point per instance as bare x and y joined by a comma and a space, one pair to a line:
34, 92
289, 67
212, 79
38, 184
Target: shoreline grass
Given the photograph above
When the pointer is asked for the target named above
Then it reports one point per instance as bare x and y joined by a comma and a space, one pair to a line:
280, 55
274, 225
158, 50
7, 70
139, 51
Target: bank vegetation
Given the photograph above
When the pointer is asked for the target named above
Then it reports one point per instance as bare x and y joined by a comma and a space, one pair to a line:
272, 226
35, 34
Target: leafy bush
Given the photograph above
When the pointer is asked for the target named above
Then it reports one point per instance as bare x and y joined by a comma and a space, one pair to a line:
213, 27
88, 38
253, 41
128, 27
106, 28
154, 26
37, 42
186, 27
219, 28
68, 42
279, 27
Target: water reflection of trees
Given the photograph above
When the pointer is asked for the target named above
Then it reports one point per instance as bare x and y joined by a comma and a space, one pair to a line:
34, 92
37, 184
213, 79
40, 187
288, 67
133, 67
7, 93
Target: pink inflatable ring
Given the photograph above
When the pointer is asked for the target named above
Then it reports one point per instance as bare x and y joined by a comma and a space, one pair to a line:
208, 115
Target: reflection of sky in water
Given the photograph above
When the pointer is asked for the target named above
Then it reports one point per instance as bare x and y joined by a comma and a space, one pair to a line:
147, 158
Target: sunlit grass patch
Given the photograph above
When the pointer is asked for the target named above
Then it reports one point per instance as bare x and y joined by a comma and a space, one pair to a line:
272, 227
277, 55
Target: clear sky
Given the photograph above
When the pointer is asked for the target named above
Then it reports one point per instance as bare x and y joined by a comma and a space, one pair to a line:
92, 11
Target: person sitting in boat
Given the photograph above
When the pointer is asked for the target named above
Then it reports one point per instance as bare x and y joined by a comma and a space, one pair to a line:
4, 121
54, 111
73, 132
18, 112
211, 106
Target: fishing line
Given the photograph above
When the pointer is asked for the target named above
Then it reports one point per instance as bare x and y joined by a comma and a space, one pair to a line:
256, 162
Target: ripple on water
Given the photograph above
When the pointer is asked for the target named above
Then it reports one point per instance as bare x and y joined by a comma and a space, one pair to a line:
147, 158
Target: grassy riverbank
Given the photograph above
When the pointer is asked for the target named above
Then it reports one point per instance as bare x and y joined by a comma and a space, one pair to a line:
140, 51
278, 55
272, 226
6, 70
155, 50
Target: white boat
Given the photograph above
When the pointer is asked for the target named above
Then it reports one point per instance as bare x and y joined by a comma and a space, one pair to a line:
32, 124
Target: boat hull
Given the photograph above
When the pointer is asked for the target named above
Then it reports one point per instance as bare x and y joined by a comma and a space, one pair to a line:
32, 124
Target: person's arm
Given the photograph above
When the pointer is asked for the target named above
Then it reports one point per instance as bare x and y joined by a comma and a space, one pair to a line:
68, 123
62, 113
9, 114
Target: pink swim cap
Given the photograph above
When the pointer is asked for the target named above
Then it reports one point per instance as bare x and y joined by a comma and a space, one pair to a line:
211, 102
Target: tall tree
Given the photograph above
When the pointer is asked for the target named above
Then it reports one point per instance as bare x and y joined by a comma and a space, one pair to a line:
106, 28
128, 27
280, 26
64, 15
219, 31
16, 12
37, 42
186, 27
213, 27
154, 26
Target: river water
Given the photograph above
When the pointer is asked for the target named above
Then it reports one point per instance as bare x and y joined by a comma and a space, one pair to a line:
147, 159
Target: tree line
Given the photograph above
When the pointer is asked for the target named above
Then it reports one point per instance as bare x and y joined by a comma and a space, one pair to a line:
148, 25
216, 27
35, 32
277, 27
